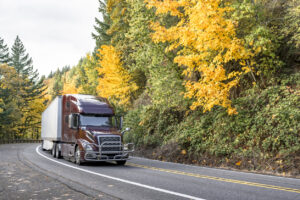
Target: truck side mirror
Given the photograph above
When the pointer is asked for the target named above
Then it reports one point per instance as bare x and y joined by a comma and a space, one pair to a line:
76, 121
126, 129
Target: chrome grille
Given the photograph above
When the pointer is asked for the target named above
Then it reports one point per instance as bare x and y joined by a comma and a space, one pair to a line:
109, 139
110, 144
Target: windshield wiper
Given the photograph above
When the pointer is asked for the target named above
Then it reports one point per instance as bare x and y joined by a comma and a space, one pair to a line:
98, 125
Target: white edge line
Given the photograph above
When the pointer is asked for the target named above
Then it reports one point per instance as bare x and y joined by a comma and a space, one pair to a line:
121, 180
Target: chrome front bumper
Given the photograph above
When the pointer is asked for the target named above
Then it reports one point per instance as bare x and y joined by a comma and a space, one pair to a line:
108, 155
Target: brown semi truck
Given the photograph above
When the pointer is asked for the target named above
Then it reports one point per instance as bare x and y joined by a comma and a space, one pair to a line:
84, 128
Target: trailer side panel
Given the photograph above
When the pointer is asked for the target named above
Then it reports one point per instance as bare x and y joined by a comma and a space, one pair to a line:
52, 123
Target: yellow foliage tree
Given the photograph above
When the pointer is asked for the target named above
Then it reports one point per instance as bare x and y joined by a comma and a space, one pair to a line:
31, 121
69, 86
11, 101
208, 42
48, 84
115, 81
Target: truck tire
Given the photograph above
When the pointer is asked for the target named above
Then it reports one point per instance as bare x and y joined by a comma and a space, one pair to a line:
43, 146
77, 156
58, 153
121, 162
54, 150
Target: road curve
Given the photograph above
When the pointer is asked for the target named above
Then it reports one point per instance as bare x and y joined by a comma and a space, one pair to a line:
149, 179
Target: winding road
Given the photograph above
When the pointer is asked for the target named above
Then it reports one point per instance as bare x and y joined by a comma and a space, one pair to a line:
141, 179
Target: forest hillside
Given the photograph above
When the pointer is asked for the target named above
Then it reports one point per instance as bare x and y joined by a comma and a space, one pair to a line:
208, 82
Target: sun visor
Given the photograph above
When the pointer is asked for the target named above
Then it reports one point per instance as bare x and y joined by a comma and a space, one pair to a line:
96, 109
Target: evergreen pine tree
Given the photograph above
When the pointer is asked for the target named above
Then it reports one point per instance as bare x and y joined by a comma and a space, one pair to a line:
57, 84
101, 36
32, 86
50, 75
65, 69
20, 60
4, 54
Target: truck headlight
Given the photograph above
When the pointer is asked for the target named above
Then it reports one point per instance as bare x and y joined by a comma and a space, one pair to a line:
88, 147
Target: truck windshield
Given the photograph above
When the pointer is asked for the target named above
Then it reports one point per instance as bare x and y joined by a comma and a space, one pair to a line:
88, 120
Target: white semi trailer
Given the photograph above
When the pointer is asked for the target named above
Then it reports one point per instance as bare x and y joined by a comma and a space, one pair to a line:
52, 124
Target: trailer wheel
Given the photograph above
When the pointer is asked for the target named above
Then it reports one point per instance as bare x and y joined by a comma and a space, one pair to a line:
77, 156
57, 152
121, 162
43, 146
54, 150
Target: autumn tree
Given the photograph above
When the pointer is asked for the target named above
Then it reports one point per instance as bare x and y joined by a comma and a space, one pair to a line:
205, 41
69, 83
54, 85
32, 122
18, 118
10, 102
115, 81
32, 85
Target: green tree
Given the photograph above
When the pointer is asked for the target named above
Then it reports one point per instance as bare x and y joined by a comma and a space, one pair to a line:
102, 26
258, 23
20, 60
88, 75
291, 32
117, 10
152, 68
32, 86
4, 54
57, 84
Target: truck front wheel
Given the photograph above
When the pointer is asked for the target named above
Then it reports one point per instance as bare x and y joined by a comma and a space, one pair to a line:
121, 162
77, 156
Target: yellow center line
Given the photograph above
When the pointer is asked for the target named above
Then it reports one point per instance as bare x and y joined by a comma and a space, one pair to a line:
217, 178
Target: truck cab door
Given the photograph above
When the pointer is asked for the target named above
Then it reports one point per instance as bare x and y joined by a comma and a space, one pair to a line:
74, 129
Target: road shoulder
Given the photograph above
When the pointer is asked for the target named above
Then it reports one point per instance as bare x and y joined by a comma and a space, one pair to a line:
21, 179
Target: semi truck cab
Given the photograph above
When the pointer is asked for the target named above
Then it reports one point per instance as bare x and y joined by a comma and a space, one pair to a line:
85, 129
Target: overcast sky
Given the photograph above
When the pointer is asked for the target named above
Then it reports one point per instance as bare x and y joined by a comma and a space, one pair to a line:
55, 33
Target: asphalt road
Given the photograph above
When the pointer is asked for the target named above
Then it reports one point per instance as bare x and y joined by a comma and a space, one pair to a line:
148, 179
